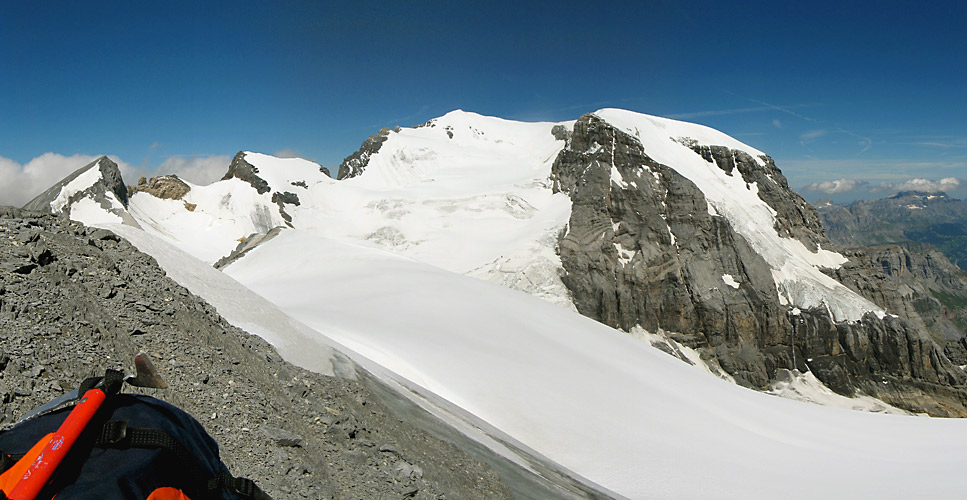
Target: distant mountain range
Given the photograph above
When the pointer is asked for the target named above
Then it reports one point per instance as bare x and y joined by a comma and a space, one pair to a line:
909, 218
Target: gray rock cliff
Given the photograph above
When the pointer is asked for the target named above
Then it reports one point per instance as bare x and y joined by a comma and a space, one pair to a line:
644, 250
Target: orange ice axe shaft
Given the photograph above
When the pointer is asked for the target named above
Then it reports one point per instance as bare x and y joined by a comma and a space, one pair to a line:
39, 472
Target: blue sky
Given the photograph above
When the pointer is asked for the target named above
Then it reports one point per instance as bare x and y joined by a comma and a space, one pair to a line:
871, 93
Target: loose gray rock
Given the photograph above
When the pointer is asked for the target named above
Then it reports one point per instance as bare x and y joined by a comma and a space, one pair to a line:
282, 437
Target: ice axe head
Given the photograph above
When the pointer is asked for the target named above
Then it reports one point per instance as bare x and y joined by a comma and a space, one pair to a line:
146, 374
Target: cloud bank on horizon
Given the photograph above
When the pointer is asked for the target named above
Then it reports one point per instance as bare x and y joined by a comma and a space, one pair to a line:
843, 186
21, 183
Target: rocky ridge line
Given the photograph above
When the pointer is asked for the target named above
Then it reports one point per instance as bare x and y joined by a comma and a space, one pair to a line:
356, 163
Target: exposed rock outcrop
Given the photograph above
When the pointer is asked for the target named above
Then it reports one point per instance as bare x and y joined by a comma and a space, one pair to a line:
356, 163
643, 248
280, 199
247, 172
795, 218
167, 187
923, 287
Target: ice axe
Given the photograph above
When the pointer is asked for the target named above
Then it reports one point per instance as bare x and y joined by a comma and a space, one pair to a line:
95, 392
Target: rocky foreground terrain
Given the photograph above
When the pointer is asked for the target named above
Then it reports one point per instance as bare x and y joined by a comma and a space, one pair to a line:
75, 301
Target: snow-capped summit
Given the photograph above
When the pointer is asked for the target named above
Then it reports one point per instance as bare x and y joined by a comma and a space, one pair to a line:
94, 193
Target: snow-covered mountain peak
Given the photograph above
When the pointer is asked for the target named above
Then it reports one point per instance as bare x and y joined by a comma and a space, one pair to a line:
650, 129
94, 192
458, 148
285, 174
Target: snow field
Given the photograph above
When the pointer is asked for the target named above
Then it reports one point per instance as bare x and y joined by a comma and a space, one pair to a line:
596, 400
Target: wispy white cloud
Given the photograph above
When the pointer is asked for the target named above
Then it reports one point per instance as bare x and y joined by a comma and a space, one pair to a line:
865, 143
944, 145
931, 186
811, 135
786, 109
777, 123
892, 172
201, 170
736, 111
836, 187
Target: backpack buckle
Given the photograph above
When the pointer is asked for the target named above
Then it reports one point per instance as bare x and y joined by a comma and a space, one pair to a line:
114, 432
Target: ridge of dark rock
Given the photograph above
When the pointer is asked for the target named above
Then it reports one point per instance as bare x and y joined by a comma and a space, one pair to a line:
795, 218
917, 194
356, 163
243, 170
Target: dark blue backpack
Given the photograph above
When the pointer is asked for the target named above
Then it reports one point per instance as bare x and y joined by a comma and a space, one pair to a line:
134, 448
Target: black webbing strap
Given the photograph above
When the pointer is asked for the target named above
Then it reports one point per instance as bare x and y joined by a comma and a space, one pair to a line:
117, 434
110, 383
240, 485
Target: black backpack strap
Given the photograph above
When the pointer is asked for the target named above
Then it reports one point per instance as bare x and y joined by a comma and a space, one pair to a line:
110, 383
117, 434
242, 486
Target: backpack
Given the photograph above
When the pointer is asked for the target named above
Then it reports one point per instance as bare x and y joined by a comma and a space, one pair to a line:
134, 447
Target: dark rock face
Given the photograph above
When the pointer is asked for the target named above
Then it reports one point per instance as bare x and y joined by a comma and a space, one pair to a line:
281, 199
641, 248
110, 181
246, 172
356, 163
922, 287
561, 133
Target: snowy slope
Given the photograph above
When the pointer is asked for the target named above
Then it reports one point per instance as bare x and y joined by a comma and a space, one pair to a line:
466, 193
611, 408
225, 213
